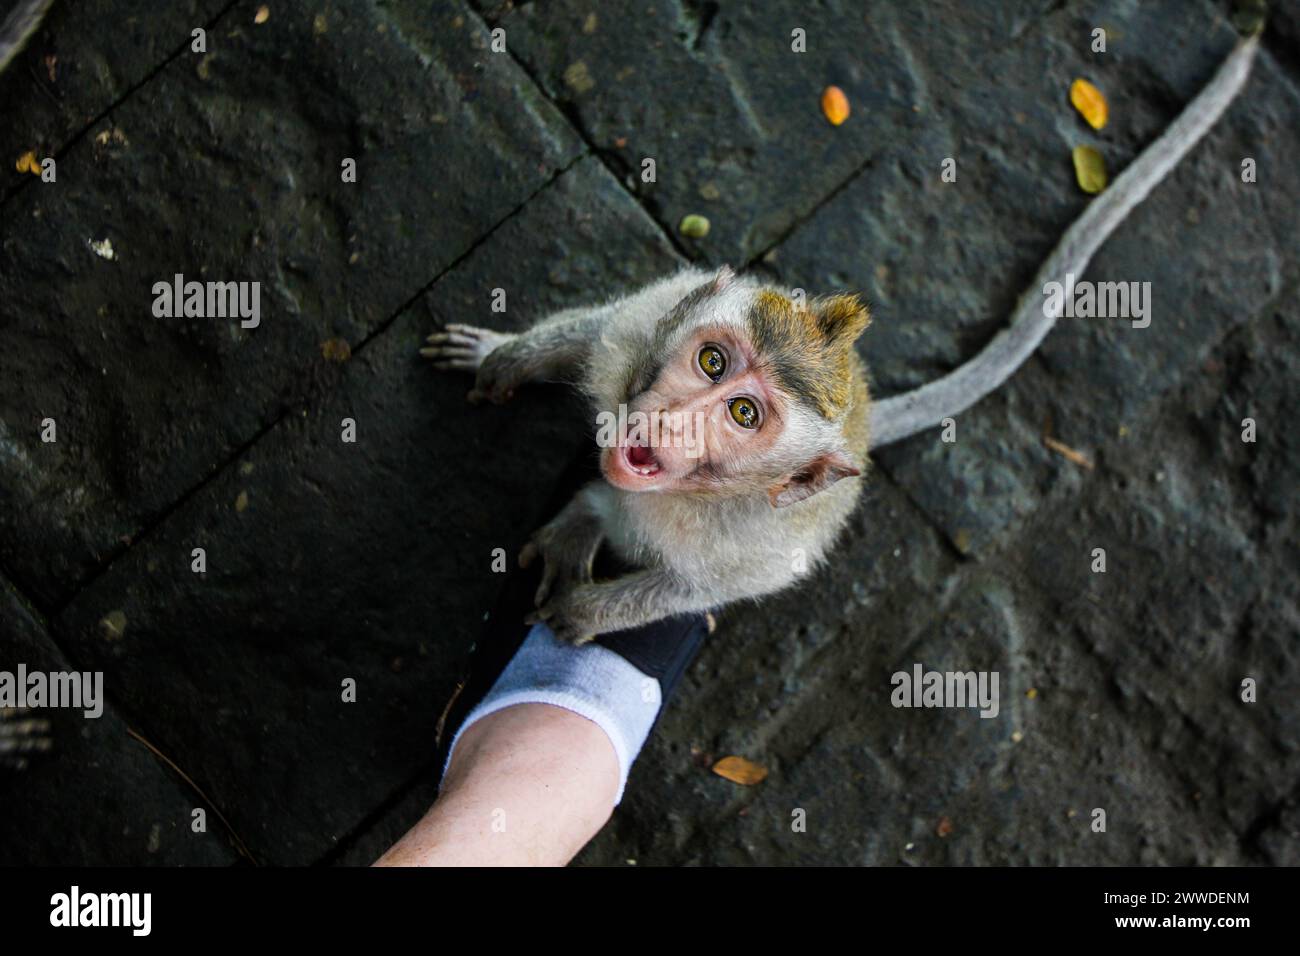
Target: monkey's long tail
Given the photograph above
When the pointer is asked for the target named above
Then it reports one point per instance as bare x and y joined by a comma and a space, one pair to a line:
894, 419
19, 27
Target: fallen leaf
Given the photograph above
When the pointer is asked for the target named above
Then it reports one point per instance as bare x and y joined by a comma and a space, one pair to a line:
697, 227
741, 771
113, 624
1087, 99
263, 14
27, 163
103, 248
835, 105
1064, 450
1089, 169
336, 350
944, 828
241, 501
578, 78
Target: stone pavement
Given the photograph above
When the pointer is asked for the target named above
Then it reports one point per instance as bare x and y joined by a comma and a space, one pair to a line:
520, 170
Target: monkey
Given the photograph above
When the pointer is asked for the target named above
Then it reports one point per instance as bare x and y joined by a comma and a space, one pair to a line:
755, 496
19, 26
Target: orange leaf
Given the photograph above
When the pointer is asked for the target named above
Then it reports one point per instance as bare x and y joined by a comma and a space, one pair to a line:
835, 105
1087, 99
741, 771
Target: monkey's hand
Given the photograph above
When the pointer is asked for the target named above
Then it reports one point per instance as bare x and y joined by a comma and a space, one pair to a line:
567, 547
634, 599
490, 354
572, 615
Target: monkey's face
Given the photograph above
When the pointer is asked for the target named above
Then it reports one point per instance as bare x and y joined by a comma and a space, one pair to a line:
738, 392
711, 416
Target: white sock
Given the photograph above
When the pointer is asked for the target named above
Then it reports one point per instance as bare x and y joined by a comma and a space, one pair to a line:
590, 680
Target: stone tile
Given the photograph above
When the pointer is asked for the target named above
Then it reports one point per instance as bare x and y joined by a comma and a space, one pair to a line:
99, 52
944, 264
97, 797
714, 94
229, 170
372, 561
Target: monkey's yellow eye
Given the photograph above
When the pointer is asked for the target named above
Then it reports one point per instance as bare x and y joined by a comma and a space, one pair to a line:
744, 411
712, 361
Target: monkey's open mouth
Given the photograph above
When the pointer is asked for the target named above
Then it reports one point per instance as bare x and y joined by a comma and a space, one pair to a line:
641, 459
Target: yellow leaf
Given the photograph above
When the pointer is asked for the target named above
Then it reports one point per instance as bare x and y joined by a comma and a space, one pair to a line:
1087, 99
741, 771
835, 105
27, 163
1089, 169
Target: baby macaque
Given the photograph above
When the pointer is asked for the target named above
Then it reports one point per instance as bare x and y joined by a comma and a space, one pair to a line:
739, 416
736, 421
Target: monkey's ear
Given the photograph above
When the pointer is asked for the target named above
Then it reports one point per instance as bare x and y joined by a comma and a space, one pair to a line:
842, 318
723, 278
818, 475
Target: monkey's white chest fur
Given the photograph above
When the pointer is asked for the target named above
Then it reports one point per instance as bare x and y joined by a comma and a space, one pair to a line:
731, 547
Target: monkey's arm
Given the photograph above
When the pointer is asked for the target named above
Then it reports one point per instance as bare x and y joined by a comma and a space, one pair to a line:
901, 416
558, 347
552, 350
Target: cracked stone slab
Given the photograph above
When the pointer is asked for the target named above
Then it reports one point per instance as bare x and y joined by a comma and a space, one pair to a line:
371, 560
96, 797
85, 57
228, 168
940, 291
714, 94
